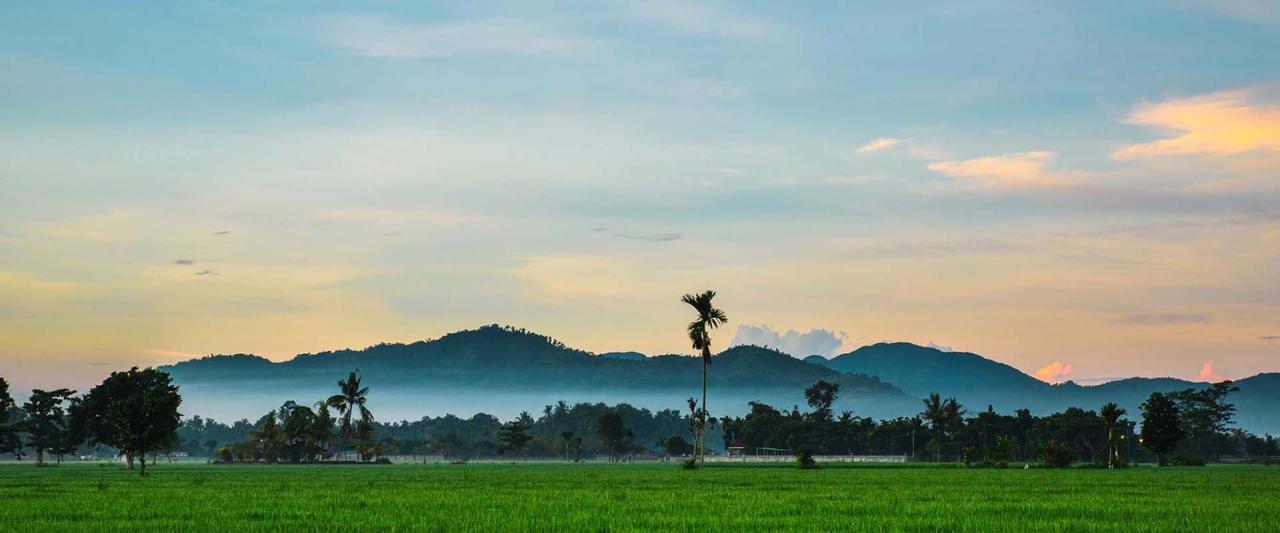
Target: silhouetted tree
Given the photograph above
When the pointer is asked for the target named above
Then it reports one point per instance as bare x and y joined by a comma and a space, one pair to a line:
10, 441
515, 434
676, 445
1204, 414
820, 396
135, 412
1161, 429
322, 429
945, 418
614, 433
1111, 414
709, 318
268, 437
566, 438
47, 421
351, 400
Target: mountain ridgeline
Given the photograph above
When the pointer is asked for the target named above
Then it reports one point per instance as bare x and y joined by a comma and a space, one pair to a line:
978, 382
503, 371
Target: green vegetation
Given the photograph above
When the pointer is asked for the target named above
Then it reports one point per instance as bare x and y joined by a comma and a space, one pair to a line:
638, 497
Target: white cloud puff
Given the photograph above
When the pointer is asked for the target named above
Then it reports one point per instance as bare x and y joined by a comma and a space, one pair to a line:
797, 343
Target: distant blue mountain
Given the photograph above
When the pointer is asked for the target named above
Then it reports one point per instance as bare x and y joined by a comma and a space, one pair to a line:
471, 368
495, 368
978, 382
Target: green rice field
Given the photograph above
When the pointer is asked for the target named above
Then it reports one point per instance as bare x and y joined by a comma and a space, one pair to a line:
635, 497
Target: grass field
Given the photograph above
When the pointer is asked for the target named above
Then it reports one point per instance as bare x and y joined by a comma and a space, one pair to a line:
499, 497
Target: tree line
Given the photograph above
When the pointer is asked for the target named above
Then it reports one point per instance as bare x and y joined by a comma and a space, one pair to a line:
1183, 427
134, 413
1186, 427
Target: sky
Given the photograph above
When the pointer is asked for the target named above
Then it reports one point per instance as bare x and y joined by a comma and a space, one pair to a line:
1084, 190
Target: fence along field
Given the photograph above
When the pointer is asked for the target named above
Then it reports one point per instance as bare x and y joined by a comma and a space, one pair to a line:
541, 496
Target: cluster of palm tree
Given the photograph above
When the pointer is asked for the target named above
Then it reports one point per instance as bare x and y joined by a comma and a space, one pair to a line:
301, 434
945, 418
294, 433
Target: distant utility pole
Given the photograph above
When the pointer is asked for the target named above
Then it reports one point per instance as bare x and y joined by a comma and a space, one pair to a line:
913, 444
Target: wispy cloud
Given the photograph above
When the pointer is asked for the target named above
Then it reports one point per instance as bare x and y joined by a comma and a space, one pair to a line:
1218, 124
704, 19
653, 237
796, 343
939, 347
877, 145
381, 36
1266, 11
1164, 319
852, 180
222, 232
1269, 338
1022, 169
918, 249
1055, 372
206, 273
170, 353
184, 262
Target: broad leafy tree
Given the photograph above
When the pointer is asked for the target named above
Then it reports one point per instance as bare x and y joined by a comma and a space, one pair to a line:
135, 412
1161, 429
615, 435
1205, 414
47, 422
514, 435
708, 318
10, 441
820, 396
675, 445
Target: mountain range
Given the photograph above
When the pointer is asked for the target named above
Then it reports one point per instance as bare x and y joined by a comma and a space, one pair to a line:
504, 370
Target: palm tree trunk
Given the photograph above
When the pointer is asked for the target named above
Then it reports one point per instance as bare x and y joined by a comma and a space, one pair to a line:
702, 416
1111, 447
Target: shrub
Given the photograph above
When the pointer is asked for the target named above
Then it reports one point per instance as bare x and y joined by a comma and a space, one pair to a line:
1188, 459
968, 452
804, 459
1000, 453
689, 464
1055, 454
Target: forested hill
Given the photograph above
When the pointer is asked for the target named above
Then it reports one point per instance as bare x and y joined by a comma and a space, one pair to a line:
494, 355
504, 370
501, 360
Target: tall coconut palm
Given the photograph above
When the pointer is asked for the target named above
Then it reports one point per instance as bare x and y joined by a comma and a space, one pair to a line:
708, 318
1111, 414
944, 417
350, 400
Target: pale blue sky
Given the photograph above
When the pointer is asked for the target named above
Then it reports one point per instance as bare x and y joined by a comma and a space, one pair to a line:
1093, 183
